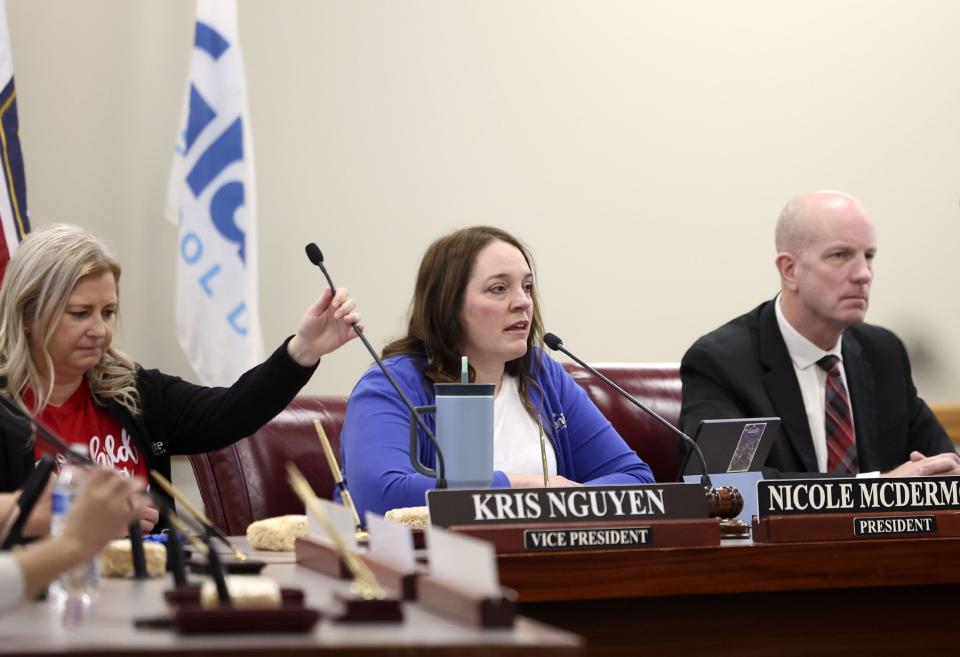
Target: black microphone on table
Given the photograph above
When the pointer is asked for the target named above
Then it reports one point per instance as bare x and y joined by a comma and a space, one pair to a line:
556, 344
316, 257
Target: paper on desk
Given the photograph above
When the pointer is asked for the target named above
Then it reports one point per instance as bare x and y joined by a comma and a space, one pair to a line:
342, 520
466, 562
391, 543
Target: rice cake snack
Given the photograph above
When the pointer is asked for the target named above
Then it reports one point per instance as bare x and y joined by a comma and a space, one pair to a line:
277, 534
116, 559
415, 517
246, 592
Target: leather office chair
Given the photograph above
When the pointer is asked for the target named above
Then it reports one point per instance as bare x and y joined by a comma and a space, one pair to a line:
247, 481
656, 385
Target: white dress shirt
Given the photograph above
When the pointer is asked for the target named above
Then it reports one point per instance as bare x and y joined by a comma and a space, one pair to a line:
813, 381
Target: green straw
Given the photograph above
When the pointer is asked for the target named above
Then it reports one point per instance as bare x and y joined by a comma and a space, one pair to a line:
464, 370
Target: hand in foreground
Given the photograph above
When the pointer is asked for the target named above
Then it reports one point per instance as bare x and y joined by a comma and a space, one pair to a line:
38, 524
325, 327
145, 510
518, 480
103, 510
926, 466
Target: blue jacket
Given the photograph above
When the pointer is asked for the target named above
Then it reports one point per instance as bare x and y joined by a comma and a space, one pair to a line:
375, 437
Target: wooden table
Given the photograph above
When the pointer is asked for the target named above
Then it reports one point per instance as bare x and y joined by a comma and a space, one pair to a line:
893, 596
37, 629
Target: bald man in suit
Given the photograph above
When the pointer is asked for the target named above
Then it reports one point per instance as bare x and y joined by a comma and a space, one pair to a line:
842, 387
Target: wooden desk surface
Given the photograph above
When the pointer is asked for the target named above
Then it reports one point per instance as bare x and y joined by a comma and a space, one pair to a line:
37, 629
878, 597
733, 567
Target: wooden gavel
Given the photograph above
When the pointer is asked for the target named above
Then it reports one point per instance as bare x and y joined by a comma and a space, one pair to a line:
724, 502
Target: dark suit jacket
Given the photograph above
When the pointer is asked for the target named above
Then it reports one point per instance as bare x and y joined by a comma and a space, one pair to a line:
743, 369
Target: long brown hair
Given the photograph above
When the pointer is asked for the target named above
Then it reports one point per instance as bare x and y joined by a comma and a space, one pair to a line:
434, 327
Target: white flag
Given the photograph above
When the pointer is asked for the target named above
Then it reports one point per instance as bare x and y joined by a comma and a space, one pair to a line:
212, 200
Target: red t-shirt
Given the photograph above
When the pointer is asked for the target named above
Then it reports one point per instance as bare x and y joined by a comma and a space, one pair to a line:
79, 421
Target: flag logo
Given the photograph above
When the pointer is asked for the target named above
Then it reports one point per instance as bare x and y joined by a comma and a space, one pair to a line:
212, 201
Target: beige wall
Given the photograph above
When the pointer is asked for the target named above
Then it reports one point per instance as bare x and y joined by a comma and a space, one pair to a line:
643, 149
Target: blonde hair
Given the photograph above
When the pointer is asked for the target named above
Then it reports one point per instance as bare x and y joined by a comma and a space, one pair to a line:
38, 282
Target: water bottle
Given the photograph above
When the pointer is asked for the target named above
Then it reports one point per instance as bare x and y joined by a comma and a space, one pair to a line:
76, 587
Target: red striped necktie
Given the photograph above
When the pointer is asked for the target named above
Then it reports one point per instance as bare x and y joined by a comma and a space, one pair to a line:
841, 442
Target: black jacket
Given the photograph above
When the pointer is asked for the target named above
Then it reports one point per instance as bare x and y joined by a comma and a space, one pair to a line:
743, 369
178, 417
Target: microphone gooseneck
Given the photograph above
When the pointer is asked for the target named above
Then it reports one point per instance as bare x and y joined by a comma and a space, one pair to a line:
556, 344
316, 257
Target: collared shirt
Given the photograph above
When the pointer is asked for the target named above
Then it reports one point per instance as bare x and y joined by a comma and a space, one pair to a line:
813, 381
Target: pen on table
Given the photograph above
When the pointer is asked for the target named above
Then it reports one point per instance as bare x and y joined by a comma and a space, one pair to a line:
335, 470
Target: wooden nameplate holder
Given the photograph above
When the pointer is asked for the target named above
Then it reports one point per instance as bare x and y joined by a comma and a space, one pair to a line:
597, 535
799, 510
404, 583
466, 607
359, 610
589, 518
856, 526
190, 595
321, 557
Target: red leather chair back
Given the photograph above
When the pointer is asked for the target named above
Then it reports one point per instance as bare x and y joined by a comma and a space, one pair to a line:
247, 481
657, 386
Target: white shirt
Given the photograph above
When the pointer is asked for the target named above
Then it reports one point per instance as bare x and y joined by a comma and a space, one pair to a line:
11, 583
813, 381
516, 435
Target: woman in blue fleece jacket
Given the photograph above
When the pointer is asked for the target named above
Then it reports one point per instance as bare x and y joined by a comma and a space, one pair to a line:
475, 296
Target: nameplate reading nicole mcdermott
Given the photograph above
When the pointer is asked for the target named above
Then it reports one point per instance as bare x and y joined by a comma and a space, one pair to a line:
823, 496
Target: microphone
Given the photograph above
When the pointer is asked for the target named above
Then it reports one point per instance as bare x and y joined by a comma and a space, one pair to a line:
556, 344
316, 257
